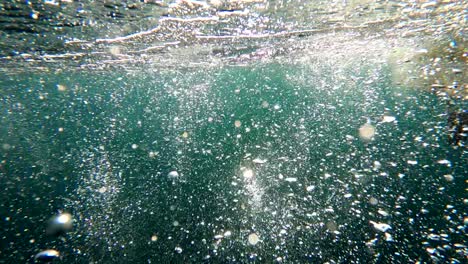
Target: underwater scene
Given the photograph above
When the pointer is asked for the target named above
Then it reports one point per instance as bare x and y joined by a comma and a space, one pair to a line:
244, 131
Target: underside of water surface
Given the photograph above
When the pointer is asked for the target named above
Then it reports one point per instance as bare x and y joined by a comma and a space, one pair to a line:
233, 132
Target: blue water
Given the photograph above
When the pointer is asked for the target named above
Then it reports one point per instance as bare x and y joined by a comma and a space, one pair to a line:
100, 145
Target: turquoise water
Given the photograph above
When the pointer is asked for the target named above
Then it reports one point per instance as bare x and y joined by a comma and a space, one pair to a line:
268, 149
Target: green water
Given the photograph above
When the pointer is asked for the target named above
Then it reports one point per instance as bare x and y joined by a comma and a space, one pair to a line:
102, 148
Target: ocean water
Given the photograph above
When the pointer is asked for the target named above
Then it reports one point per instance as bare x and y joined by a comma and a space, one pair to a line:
245, 131
269, 149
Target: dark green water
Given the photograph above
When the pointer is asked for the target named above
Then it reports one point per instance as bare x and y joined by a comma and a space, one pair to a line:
102, 150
